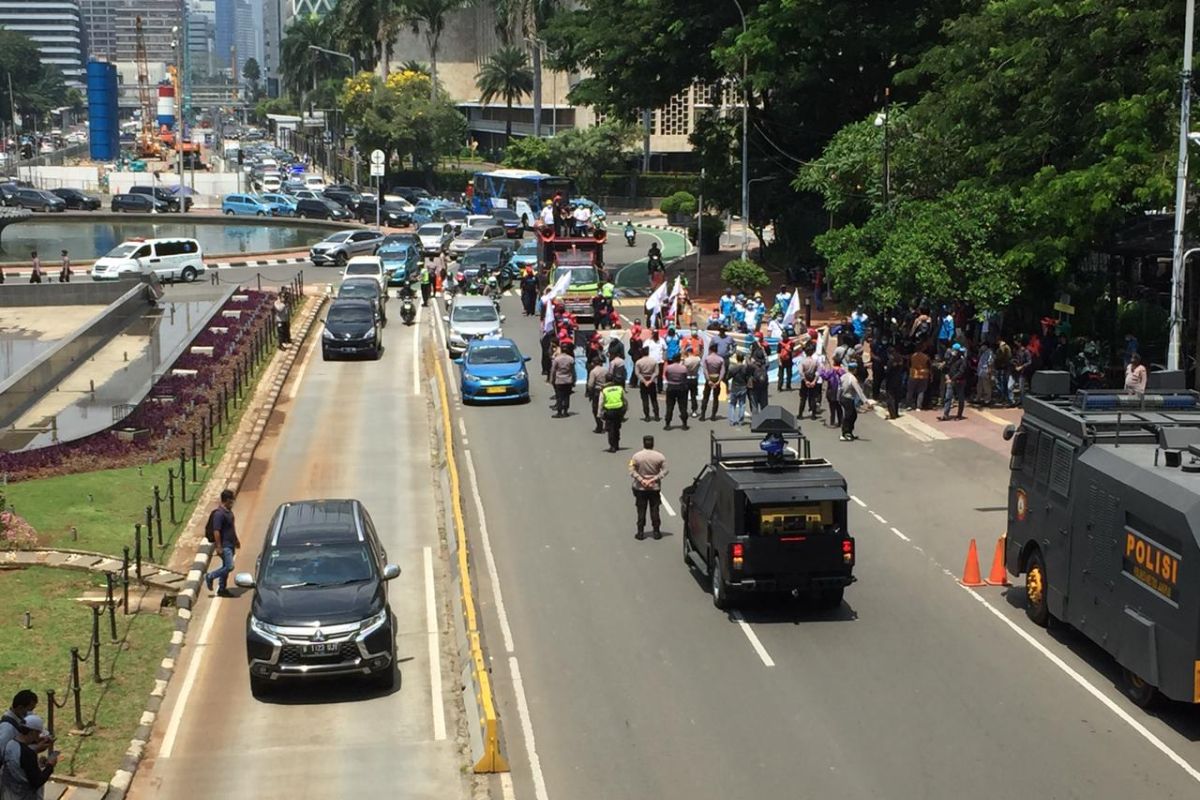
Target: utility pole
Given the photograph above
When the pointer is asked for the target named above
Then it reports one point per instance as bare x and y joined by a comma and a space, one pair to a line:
745, 141
1185, 103
699, 227
179, 39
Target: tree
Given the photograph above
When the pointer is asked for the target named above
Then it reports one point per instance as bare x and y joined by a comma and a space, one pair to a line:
744, 276
299, 65
526, 20
586, 154
402, 117
252, 74
506, 75
531, 152
432, 15
36, 87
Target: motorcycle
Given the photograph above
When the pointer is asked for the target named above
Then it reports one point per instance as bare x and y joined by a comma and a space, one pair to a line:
630, 236
408, 309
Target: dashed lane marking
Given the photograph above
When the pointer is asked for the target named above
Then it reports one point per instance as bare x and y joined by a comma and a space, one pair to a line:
754, 641
882, 521
860, 502
902, 536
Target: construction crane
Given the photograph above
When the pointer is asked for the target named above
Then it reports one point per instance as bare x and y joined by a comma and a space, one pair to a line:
147, 142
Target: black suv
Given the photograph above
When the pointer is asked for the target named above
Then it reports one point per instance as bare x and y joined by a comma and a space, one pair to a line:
320, 601
159, 193
320, 209
352, 328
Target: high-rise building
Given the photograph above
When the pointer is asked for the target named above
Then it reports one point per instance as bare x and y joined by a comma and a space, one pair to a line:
200, 44
223, 36
246, 37
274, 20
302, 8
56, 26
110, 26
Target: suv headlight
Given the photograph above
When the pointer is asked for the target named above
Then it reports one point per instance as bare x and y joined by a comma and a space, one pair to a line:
372, 624
457, 338
264, 629
327, 334
521, 376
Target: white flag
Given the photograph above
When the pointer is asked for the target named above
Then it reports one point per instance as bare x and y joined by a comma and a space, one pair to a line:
557, 290
655, 301
752, 317
678, 287
789, 316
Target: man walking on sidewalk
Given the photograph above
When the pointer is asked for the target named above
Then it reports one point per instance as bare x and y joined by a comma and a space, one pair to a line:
647, 468
223, 534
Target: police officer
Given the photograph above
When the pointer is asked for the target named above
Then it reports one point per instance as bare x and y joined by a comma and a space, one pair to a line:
426, 278
647, 468
613, 406
597, 378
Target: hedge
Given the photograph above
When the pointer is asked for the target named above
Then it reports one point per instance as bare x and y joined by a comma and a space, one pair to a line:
655, 184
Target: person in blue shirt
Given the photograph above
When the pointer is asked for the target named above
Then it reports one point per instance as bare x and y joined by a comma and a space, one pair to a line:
727, 303
672, 342
782, 300
858, 321
946, 331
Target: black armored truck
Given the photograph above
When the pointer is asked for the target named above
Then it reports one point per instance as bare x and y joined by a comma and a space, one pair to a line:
765, 516
1104, 523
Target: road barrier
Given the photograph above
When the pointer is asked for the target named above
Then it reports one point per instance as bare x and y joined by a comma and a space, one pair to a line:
486, 748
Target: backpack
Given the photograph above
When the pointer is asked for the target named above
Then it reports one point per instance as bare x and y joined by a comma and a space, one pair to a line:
924, 327
208, 526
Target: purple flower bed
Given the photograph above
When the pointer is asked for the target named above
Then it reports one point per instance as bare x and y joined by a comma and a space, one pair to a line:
170, 424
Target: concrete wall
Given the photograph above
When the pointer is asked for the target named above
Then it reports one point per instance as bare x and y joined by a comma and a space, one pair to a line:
23, 295
24, 388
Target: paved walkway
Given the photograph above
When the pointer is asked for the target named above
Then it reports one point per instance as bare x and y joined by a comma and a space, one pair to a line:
153, 575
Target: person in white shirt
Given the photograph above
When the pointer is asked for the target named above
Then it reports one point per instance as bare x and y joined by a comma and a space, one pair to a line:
548, 215
656, 348
583, 219
775, 327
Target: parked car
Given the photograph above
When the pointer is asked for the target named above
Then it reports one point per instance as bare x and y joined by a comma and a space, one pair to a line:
469, 237
174, 202
470, 317
320, 209
282, 205
337, 248
366, 267
493, 369
526, 255
139, 203
246, 204
435, 238
401, 261
344, 195
39, 200
8, 192
320, 605
171, 259
391, 214
412, 194
352, 327
365, 288
513, 228
314, 182
75, 199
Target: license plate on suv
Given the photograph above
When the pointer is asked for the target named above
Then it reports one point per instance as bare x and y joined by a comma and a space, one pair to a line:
321, 648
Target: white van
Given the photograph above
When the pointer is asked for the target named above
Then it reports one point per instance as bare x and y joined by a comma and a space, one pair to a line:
314, 182
271, 182
170, 259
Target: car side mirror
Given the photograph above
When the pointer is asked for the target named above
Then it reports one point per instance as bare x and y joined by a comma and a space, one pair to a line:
526, 359
502, 318
445, 317
244, 579
457, 360
1010, 431
390, 571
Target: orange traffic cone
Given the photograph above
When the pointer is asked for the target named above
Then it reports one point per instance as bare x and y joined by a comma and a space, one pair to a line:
970, 576
998, 576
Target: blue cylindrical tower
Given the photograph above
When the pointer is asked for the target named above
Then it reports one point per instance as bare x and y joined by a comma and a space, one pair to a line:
104, 127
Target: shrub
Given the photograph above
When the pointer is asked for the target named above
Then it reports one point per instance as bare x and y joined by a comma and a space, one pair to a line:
711, 232
679, 203
744, 276
15, 532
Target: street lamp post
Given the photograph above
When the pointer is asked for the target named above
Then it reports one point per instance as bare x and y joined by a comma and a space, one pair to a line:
746, 142
354, 67
882, 120
177, 44
1177, 260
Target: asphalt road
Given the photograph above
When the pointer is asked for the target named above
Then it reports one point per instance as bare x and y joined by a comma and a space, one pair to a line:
348, 429
631, 685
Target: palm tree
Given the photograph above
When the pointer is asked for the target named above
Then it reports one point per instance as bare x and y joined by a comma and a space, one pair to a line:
506, 74
299, 65
412, 65
525, 19
432, 15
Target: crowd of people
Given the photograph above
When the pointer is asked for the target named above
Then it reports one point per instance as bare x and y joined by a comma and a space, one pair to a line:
27, 754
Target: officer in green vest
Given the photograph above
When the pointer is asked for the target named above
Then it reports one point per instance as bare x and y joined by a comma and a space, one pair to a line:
612, 407
426, 278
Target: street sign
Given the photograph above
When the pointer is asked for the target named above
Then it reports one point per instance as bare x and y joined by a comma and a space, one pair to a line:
377, 170
377, 157
1065, 308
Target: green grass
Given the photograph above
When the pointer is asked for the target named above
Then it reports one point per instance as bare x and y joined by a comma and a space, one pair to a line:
39, 659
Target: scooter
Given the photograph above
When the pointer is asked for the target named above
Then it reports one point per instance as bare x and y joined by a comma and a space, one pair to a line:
408, 309
630, 236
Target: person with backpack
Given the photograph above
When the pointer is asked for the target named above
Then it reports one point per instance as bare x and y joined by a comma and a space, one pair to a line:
850, 396
921, 329
832, 376
221, 531
23, 775
23, 704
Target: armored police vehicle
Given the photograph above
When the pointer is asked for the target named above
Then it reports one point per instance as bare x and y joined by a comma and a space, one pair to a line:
765, 516
1103, 517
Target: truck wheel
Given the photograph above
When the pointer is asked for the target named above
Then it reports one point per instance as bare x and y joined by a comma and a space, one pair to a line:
687, 546
721, 595
1140, 693
1035, 590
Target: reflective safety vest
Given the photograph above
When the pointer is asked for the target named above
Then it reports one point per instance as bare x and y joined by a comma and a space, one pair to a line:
425, 275
612, 397
607, 290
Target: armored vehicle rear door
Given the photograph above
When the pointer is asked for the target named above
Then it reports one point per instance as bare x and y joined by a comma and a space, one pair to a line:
795, 536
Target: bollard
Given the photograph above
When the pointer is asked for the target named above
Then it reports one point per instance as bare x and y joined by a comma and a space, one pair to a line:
150, 522
171, 493
203, 441
75, 688
149, 544
28, 621
210, 424
182, 475
225, 401
74, 534
50, 707
137, 550
193, 456
112, 606
158, 513
260, 281
125, 582
237, 383
96, 645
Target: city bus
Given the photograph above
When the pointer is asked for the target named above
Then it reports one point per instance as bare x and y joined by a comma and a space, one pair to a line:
522, 190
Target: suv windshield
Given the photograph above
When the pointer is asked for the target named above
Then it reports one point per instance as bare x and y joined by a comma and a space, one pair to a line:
338, 237
471, 233
317, 565
493, 354
430, 230
479, 313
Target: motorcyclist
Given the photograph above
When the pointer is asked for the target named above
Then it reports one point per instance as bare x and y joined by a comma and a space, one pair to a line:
630, 233
654, 262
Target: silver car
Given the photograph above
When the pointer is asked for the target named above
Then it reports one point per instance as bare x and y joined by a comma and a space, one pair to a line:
337, 248
471, 317
469, 237
435, 238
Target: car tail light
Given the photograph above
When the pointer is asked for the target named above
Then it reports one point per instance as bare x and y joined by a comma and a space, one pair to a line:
736, 552
847, 551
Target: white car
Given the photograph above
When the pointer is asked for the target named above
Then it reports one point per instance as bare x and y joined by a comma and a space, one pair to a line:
434, 237
271, 182
366, 267
170, 259
314, 182
479, 221
404, 205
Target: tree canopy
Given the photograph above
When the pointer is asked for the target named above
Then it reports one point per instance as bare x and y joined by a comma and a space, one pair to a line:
402, 117
36, 87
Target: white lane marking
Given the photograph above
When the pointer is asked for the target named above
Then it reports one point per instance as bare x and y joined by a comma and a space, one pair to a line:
882, 521
488, 557
667, 505
753, 637
506, 786
535, 765
1121, 713
416, 364
901, 535
435, 660
189, 680
860, 502
462, 427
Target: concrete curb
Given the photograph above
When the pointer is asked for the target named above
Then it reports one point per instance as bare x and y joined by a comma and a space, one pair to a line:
50, 275
233, 466
262, 262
